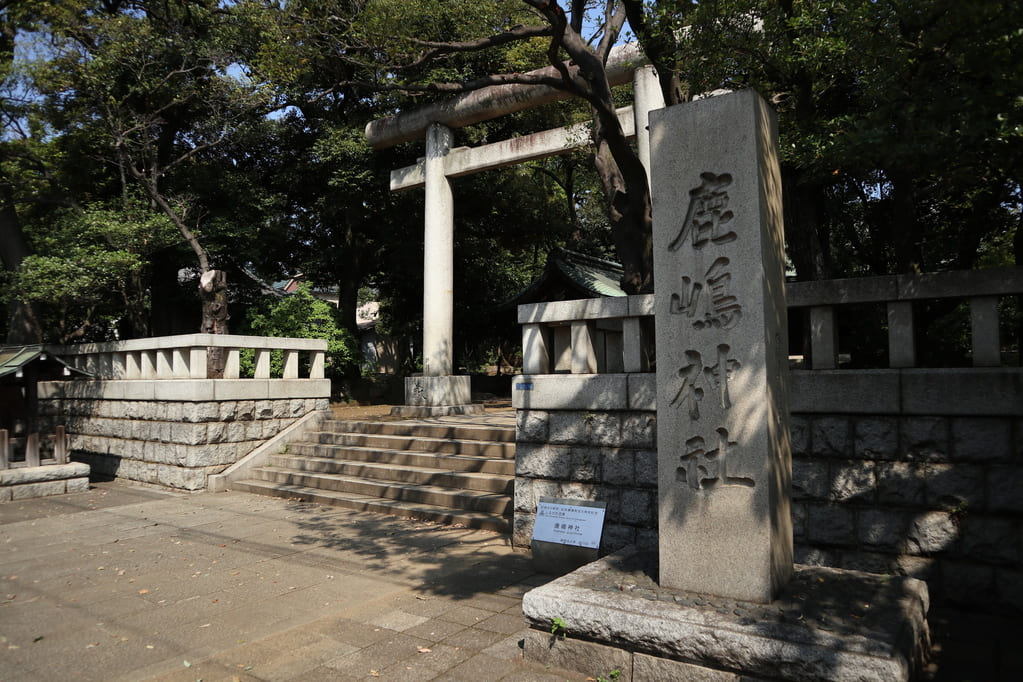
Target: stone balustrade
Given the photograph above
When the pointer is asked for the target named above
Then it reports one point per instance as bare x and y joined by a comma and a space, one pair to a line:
187, 356
981, 288
607, 335
588, 336
33, 445
152, 413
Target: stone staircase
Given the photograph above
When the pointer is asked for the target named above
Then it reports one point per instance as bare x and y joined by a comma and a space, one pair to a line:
443, 471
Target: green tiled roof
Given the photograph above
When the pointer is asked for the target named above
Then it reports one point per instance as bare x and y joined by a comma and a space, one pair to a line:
13, 358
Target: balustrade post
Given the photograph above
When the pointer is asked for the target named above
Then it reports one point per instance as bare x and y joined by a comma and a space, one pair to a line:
32, 449
536, 344
290, 364
232, 365
823, 337
901, 339
197, 362
987, 349
164, 364
133, 365
179, 363
584, 355
60, 445
262, 363
633, 355
5, 449
148, 358
316, 369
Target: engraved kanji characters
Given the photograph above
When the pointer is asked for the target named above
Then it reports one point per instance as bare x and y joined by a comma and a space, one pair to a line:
704, 470
718, 308
707, 216
716, 376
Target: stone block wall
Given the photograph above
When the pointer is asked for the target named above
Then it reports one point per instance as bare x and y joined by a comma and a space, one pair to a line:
936, 498
172, 443
607, 456
875, 487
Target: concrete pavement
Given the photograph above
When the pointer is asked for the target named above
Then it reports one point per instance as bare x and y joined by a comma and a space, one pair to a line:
132, 583
129, 583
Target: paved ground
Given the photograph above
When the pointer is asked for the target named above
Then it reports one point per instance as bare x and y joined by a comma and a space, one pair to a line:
132, 583
129, 583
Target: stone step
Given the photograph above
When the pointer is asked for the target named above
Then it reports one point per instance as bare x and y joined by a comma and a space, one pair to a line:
404, 473
420, 512
471, 500
434, 460
473, 447
422, 429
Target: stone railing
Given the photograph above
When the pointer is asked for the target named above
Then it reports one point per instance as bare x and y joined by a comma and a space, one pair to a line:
608, 335
187, 356
32, 448
588, 336
981, 288
151, 412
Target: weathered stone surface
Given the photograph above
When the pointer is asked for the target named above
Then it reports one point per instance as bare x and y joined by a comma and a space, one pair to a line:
884, 530
722, 358
637, 507
981, 438
618, 466
852, 480
809, 479
1004, 489
646, 667
523, 496
933, 533
39, 474
799, 428
831, 525
25, 491
827, 624
639, 430
951, 486
531, 426
542, 461
831, 437
876, 437
900, 484
573, 654
991, 539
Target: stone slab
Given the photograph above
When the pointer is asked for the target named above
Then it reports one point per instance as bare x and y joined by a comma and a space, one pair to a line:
828, 624
435, 410
438, 390
722, 357
571, 392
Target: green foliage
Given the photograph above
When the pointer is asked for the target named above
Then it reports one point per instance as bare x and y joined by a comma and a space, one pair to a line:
559, 628
84, 274
302, 315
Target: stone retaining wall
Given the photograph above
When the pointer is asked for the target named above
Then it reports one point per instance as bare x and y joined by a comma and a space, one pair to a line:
938, 497
175, 443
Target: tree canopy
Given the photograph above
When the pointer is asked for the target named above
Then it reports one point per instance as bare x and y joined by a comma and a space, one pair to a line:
149, 141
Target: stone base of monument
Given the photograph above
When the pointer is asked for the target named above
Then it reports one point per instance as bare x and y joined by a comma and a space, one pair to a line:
429, 396
827, 624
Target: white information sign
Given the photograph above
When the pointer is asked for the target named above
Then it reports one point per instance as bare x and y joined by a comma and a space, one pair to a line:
569, 524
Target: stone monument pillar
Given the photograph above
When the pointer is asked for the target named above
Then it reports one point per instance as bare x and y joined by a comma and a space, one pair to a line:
724, 459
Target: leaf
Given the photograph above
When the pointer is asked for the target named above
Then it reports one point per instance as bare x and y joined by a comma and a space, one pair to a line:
425, 650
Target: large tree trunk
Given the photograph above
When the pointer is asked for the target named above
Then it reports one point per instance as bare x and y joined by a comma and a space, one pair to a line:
213, 292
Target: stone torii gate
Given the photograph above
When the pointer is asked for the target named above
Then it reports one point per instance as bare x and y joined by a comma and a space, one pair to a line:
439, 391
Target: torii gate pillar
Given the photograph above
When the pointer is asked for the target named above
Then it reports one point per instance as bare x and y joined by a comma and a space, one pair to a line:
438, 390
